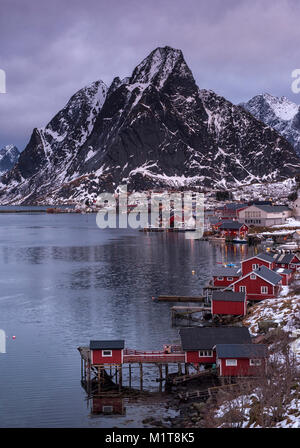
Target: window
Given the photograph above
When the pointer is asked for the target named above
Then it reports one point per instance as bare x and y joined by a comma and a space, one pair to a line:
205, 353
229, 279
242, 288
253, 277
255, 266
292, 265
220, 278
106, 353
255, 362
264, 290
107, 409
231, 362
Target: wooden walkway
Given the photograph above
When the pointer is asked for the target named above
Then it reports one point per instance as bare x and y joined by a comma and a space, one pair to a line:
192, 376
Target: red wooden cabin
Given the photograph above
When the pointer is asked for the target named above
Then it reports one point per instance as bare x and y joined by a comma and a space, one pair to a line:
233, 229
106, 352
228, 303
198, 342
255, 262
287, 261
241, 359
287, 275
259, 284
224, 276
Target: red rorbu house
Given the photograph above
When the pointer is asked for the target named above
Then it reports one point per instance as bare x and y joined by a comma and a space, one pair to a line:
259, 284
241, 359
228, 303
199, 343
233, 229
287, 275
253, 263
287, 261
224, 276
231, 211
106, 352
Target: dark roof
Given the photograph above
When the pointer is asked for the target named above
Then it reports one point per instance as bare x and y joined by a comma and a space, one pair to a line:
264, 256
223, 271
235, 206
273, 208
110, 345
241, 350
283, 258
229, 296
235, 225
268, 275
197, 338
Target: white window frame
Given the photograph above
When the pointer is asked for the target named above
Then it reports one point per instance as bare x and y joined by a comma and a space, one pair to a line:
243, 289
205, 353
292, 265
264, 292
253, 277
255, 266
229, 279
231, 362
255, 362
107, 356
107, 409
220, 278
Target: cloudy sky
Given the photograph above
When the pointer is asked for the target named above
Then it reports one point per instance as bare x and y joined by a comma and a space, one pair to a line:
51, 49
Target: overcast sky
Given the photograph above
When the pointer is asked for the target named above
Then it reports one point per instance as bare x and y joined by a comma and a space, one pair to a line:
51, 49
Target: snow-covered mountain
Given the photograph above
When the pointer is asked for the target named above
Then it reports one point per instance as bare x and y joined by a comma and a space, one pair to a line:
155, 128
279, 113
9, 156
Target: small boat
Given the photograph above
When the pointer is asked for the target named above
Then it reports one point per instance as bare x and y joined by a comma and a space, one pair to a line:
239, 241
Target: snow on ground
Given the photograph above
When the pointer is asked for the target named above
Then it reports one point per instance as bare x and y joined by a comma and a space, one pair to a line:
285, 310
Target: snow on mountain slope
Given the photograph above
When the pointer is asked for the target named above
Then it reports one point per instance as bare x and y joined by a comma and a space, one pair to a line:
8, 158
279, 113
152, 129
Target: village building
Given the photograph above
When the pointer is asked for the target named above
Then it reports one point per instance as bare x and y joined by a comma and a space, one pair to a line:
199, 343
264, 215
241, 359
253, 263
233, 229
287, 275
228, 303
287, 261
106, 352
259, 284
224, 276
230, 211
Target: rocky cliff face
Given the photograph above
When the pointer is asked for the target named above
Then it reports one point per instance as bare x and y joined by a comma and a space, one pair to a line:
153, 129
279, 113
9, 156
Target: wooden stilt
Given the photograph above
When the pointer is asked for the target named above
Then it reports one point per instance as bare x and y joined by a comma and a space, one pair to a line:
141, 376
160, 377
167, 370
179, 369
129, 375
99, 379
120, 378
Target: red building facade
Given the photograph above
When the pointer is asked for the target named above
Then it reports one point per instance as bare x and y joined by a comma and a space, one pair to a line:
106, 352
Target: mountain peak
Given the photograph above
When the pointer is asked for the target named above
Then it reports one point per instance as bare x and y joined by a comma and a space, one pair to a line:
158, 65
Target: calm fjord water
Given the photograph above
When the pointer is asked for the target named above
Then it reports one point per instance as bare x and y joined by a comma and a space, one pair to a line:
63, 282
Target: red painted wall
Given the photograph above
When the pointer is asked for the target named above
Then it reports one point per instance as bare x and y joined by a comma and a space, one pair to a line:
116, 357
225, 307
242, 369
115, 402
253, 288
247, 265
224, 282
194, 357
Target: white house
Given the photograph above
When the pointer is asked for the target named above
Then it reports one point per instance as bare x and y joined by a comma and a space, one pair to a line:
265, 215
